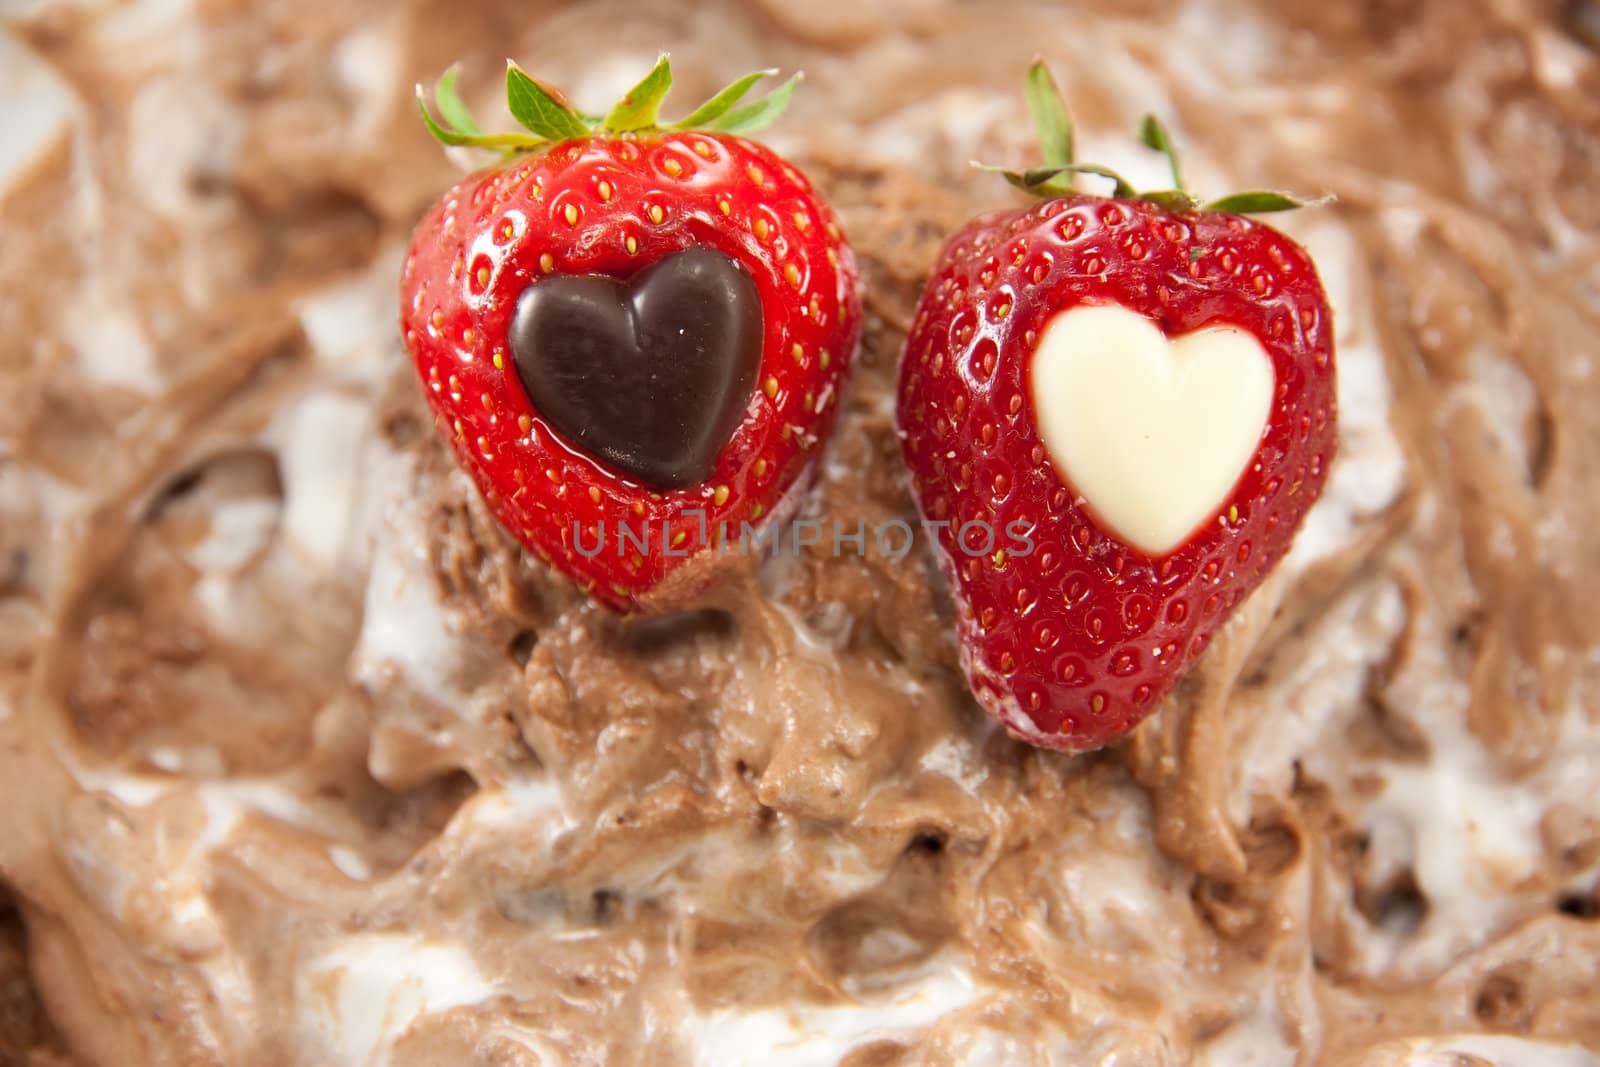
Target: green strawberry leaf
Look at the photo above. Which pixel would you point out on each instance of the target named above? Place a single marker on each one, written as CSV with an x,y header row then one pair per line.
x,y
538,111
1122,187
718,105
440,133
1051,179
1050,117
763,112
546,115
1155,135
1260,202
1177,200
455,138
639,108
451,108
1034,180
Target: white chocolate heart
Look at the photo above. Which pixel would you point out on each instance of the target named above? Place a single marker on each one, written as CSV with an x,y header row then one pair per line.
x,y
1152,432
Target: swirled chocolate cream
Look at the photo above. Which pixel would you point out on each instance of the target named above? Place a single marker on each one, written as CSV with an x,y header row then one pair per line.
x,y
305,760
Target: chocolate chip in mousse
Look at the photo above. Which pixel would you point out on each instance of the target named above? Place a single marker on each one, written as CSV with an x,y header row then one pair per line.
x,y
651,374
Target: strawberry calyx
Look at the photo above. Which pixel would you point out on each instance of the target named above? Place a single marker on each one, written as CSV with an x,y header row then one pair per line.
x,y
546,117
1060,170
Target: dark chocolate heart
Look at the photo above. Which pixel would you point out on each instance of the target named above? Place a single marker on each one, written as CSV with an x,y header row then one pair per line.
x,y
651,374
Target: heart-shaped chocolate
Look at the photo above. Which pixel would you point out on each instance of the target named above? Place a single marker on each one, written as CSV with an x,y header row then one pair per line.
x,y
652,374
1153,431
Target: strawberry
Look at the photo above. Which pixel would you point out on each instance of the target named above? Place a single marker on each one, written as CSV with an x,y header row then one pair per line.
x,y
632,334
1120,409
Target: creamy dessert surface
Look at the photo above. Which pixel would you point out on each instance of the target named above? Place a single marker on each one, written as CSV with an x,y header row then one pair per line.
x,y
302,762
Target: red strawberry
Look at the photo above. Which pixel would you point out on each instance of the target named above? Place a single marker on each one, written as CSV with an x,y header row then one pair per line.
x,y
631,333
1135,397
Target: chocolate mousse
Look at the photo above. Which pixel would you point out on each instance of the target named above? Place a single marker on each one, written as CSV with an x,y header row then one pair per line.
x,y
304,761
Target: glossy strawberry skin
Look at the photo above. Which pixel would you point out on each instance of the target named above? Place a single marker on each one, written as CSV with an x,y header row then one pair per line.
x,y
1072,644
613,206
